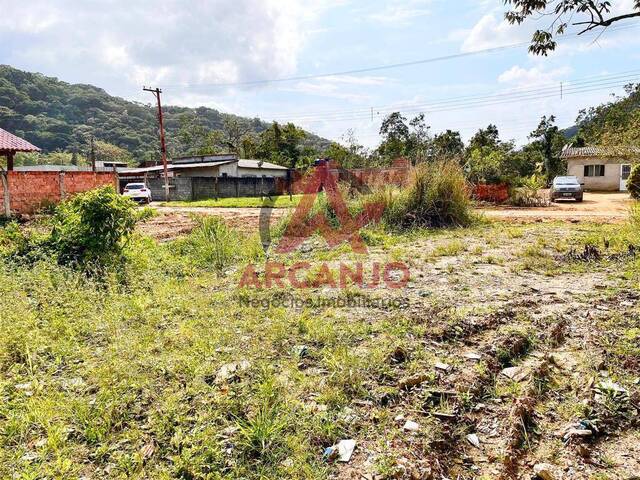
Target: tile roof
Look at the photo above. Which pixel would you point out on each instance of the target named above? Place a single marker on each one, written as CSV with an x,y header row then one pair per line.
x,y
11,143
572,152
171,166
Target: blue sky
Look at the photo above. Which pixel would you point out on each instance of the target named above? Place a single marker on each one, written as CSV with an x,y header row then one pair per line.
x,y
186,46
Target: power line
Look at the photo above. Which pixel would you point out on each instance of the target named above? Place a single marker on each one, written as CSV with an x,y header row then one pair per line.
x,y
627,76
379,67
457,104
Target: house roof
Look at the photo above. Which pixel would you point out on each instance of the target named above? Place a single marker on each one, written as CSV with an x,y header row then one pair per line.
x,y
170,166
600,151
204,158
60,168
244,163
9,143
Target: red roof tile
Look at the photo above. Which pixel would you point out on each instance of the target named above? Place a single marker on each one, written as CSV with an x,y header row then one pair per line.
x,y
11,143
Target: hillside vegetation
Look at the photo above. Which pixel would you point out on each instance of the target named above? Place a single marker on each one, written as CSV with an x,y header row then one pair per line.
x,y
58,116
613,123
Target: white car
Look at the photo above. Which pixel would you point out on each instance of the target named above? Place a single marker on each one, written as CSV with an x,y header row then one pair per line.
x,y
138,192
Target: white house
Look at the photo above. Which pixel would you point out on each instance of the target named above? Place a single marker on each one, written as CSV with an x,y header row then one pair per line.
x,y
601,168
228,165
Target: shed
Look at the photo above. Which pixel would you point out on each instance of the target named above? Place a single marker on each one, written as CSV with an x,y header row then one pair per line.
x,y
10,145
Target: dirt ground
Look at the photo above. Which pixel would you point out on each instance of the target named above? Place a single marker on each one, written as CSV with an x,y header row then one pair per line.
x,y
173,222
601,206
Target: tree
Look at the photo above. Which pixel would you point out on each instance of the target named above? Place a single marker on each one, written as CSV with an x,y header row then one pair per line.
x,y
281,144
419,139
587,15
549,141
485,137
402,139
395,134
447,144
349,153
235,130
486,164
616,123
107,152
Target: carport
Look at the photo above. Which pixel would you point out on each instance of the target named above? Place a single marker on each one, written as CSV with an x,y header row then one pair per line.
x,y
9,146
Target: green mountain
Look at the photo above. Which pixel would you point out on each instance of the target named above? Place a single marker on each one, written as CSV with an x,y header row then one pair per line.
x,y
615,123
58,116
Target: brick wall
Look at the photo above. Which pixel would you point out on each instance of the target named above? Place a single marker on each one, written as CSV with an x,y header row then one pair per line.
x,y
30,191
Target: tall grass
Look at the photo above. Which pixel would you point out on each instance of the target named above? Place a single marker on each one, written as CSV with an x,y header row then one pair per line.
x,y
437,195
214,245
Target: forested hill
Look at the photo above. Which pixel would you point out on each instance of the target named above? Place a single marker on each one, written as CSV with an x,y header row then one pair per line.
x,y
616,123
58,116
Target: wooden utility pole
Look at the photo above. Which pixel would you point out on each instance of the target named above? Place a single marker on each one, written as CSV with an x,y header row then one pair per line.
x,y
163,148
92,154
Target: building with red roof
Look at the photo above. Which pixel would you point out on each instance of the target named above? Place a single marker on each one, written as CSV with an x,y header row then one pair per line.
x,y
10,145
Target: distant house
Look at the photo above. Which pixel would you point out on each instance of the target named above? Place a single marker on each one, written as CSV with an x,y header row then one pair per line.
x,y
228,165
601,168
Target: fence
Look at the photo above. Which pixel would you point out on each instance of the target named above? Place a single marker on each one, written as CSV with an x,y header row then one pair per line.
x,y
27,192
200,188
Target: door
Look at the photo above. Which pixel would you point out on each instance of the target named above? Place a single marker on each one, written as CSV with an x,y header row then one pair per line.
x,y
625,171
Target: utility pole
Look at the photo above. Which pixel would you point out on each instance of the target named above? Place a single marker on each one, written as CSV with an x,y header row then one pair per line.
x,y
163,148
92,154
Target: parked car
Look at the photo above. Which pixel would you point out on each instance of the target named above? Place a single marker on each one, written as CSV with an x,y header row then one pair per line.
x,y
138,192
565,188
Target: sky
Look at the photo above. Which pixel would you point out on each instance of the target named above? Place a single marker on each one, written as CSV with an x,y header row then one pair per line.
x,y
211,53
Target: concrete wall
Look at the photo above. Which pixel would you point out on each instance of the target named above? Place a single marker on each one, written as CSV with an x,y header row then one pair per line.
x,y
30,191
244,172
201,188
611,179
180,188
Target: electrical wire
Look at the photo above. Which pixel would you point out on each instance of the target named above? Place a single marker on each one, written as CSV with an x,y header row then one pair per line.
x,y
384,67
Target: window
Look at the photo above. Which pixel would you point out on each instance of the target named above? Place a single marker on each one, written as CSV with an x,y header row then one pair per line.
x,y
594,170
626,171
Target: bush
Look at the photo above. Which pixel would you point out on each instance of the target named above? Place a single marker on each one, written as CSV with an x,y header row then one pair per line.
x,y
633,182
91,229
437,196
527,194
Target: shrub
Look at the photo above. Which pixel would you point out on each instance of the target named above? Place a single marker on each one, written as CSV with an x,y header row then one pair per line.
x,y
437,195
633,182
527,194
91,229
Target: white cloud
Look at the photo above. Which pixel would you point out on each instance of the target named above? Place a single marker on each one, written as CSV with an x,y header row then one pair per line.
x,y
490,32
174,41
401,13
342,87
522,78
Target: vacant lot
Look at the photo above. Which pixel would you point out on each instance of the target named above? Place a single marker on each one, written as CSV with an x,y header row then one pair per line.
x,y
513,346
175,217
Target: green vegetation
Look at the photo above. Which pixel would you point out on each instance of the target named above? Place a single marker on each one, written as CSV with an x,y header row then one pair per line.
x,y
213,245
172,375
277,201
614,124
61,118
88,232
633,182
436,196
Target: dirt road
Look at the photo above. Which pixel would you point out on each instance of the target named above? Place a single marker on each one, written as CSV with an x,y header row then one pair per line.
x,y
602,207
599,207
